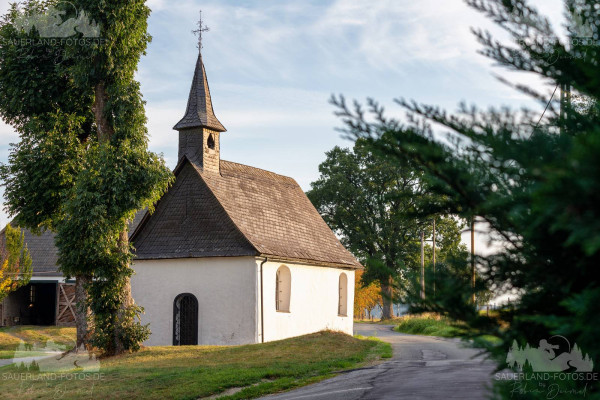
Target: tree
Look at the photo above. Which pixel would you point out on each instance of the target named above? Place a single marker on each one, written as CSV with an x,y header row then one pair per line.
x,y
536,183
82,167
449,250
366,297
373,205
15,262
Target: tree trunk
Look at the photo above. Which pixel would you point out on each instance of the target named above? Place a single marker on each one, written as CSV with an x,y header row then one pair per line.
x,y
105,133
103,126
81,313
387,295
127,299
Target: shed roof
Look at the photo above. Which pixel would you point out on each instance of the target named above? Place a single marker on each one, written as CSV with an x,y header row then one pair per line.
x,y
43,252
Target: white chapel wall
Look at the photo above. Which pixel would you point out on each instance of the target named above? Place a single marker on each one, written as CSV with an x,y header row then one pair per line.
x,y
224,286
314,301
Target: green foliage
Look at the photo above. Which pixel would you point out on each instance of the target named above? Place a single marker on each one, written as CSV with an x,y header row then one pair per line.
x,y
376,207
15,261
365,200
536,185
428,325
48,157
449,251
34,78
82,167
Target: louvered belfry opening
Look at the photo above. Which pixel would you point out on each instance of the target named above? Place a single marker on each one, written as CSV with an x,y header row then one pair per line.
x,y
185,320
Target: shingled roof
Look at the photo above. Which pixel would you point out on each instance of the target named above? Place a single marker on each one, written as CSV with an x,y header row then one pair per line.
x,y
43,252
199,112
241,211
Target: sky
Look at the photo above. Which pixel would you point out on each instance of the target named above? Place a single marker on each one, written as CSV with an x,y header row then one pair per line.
x,y
273,65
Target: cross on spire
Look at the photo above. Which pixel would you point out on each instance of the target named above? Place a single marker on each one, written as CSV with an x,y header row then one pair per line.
x,y
201,28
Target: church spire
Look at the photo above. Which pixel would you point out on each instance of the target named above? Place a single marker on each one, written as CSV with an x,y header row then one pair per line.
x,y
199,112
199,129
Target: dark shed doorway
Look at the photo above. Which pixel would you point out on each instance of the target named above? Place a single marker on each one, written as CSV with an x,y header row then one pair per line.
x,y
33,304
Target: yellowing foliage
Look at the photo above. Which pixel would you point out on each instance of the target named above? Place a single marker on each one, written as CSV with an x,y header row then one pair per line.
x,y
15,262
365,298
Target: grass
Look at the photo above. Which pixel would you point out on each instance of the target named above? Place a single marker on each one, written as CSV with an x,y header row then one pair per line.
x,y
382,349
428,324
392,321
39,336
191,372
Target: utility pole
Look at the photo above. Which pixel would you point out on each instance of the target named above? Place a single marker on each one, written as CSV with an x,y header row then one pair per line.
x,y
423,264
433,257
565,104
473,258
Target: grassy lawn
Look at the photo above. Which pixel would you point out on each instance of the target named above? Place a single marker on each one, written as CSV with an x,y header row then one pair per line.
x,y
428,324
11,337
191,372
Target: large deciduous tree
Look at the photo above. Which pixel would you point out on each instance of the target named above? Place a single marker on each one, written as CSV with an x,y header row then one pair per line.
x,y
82,167
535,181
375,207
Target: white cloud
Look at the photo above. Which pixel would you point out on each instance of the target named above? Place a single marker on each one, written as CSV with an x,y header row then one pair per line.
x,y
390,33
7,134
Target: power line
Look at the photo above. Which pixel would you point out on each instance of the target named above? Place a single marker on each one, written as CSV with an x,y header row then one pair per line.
x,y
547,105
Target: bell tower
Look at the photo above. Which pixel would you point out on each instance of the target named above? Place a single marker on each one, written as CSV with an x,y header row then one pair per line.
x,y
199,129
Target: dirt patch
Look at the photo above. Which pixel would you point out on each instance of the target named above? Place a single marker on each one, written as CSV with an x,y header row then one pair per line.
x,y
233,390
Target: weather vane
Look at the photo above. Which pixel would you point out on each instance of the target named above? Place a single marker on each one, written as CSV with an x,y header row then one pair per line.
x,y
201,28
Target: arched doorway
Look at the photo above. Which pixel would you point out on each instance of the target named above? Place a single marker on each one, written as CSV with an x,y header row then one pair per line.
x,y
185,320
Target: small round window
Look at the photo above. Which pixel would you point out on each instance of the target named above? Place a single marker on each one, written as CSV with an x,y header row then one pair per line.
x,y
211,142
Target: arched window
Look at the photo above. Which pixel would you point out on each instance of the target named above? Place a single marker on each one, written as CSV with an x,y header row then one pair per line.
x,y
283,286
185,320
343,299
210,142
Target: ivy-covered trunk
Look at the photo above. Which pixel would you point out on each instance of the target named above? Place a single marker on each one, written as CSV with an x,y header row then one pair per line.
x,y
82,281
126,301
122,320
82,312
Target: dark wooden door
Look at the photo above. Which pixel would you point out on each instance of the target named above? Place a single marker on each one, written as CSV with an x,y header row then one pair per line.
x,y
185,320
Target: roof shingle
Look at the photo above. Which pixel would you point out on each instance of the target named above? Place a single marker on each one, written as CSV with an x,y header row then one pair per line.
x,y
274,214
43,252
189,222
241,211
199,111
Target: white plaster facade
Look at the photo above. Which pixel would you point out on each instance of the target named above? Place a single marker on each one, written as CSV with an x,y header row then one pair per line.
x,y
224,286
228,290
314,301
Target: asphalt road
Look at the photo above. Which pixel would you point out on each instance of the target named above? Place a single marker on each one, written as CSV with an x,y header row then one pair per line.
x,y
422,367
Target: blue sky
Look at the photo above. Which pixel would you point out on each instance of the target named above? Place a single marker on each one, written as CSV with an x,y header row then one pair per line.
x,y
272,66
